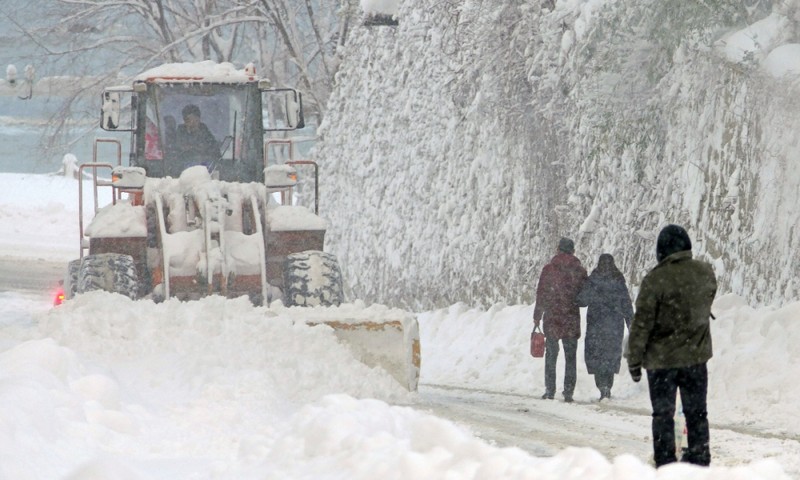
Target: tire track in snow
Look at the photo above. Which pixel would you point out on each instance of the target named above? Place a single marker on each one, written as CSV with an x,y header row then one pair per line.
x,y
540,427
545,427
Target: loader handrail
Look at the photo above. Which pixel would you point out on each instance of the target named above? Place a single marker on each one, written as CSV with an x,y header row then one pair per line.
x,y
107,140
94,166
277,141
316,180
290,142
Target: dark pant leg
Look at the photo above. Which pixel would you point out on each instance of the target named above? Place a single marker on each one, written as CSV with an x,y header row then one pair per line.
x,y
604,382
570,371
693,383
663,388
598,381
550,359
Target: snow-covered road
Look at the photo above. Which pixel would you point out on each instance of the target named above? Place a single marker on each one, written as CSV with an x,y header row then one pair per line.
x,y
29,274
546,427
540,427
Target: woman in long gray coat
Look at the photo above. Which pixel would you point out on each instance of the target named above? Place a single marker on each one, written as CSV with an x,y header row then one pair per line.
x,y
610,310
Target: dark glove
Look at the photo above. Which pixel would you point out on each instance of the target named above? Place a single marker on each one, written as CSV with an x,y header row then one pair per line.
x,y
636,373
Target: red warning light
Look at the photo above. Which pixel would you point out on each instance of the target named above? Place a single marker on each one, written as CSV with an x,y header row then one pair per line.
x,y
59,298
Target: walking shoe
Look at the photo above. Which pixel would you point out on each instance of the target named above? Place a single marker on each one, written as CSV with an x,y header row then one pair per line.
x,y
547,396
567,398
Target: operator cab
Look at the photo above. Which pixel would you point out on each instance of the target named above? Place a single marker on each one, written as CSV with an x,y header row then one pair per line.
x,y
190,124
217,119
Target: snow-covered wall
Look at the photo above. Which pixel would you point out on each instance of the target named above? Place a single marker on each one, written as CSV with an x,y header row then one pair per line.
x,y
460,145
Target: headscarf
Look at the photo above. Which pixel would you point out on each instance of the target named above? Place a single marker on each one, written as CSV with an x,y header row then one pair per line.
x,y
607,268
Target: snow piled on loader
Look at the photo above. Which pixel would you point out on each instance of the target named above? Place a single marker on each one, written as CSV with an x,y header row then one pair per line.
x,y
118,220
198,182
208,71
293,218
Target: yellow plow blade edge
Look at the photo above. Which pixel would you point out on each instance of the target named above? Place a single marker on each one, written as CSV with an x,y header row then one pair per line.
x,y
392,345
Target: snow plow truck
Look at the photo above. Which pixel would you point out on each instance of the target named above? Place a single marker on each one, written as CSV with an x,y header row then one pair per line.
x,y
203,208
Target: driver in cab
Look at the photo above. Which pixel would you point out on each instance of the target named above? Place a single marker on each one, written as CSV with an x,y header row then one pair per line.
x,y
194,141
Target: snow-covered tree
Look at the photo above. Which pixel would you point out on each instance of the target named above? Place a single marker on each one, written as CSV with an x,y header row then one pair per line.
x,y
295,43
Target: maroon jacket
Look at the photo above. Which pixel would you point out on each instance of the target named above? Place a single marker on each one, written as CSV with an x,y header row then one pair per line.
x,y
559,284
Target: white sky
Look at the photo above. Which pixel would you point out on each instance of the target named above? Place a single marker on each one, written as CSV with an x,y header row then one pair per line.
x,y
217,389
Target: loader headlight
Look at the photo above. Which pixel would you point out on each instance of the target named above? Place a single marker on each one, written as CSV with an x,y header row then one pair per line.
x,y
128,177
280,176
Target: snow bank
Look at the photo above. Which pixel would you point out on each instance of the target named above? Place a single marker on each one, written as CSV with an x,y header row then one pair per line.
x,y
217,388
491,351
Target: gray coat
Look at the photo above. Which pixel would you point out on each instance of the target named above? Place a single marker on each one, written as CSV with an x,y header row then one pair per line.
x,y
609,311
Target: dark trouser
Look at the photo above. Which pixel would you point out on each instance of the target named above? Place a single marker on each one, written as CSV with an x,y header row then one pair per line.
x,y
604,382
550,358
693,384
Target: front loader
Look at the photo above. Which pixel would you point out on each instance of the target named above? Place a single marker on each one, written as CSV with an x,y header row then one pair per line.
x,y
201,208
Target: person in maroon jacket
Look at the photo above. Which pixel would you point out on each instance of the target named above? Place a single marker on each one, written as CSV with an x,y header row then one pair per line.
x,y
556,305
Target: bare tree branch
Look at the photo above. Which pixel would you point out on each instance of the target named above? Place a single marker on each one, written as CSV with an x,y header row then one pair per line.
x,y
295,42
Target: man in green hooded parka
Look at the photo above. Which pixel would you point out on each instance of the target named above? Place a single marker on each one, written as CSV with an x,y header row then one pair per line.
x,y
670,337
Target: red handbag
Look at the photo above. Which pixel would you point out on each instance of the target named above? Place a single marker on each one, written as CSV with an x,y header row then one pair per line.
x,y
537,343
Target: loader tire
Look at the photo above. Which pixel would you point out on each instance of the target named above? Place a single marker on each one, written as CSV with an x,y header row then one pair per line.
x,y
312,278
71,278
112,272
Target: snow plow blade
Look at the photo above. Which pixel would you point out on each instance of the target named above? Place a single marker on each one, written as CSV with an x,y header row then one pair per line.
x,y
391,344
